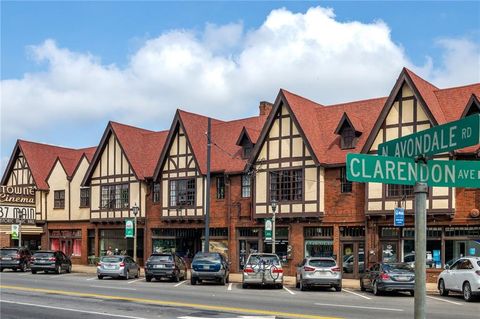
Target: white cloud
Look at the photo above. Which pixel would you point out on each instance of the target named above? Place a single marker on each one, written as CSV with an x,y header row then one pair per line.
x,y
223,71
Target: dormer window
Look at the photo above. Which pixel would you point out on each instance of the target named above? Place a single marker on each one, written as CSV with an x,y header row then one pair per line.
x,y
348,138
247,151
348,132
246,143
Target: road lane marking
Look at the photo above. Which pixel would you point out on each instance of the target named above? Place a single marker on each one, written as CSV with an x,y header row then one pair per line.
x,y
70,309
445,300
91,278
111,287
180,283
134,280
291,292
169,303
229,286
354,293
56,276
360,307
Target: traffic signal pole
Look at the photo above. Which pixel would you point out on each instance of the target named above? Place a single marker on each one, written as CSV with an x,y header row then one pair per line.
x,y
420,191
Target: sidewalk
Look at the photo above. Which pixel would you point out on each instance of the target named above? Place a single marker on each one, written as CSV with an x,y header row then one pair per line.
x,y
237,278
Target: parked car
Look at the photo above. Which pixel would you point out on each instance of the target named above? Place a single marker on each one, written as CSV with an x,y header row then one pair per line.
x,y
410,259
318,271
117,267
50,261
15,259
388,277
210,266
263,269
463,276
166,265
349,261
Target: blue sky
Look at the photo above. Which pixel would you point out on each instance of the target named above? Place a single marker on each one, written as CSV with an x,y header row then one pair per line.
x,y
48,48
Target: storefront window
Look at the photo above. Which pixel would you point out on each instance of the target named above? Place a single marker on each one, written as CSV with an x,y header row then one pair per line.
x,y
67,241
389,252
318,248
455,249
163,245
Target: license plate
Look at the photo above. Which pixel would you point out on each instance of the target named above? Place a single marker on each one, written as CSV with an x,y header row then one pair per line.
x,y
159,266
6,258
109,267
42,261
206,267
403,278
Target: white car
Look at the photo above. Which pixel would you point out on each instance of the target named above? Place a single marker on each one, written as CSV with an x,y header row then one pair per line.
x,y
463,276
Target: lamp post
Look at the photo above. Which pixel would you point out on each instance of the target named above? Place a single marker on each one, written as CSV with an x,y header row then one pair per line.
x,y
135,213
274,209
20,219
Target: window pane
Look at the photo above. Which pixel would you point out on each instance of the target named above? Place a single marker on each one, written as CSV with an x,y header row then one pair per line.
x,y
286,185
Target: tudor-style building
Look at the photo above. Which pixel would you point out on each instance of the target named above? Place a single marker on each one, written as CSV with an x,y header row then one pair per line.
x,y
118,181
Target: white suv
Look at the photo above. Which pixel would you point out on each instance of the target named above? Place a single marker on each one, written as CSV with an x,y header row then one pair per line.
x,y
463,276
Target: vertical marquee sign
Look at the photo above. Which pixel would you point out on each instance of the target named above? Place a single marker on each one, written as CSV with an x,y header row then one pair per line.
x,y
17,203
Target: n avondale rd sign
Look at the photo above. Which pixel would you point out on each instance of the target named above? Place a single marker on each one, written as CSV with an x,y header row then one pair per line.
x,y
405,171
438,139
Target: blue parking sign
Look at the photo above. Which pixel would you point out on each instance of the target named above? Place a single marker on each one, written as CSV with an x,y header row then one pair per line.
x,y
399,216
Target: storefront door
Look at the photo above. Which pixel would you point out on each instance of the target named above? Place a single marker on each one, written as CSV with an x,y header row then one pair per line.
x,y
353,259
246,247
66,246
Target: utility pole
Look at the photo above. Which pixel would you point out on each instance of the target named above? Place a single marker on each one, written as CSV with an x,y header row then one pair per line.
x,y
20,217
206,246
420,191
274,209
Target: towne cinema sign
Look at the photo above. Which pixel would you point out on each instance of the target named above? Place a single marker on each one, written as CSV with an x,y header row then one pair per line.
x,y
17,203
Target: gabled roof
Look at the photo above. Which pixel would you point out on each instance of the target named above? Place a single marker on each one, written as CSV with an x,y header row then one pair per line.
x,y
249,133
41,158
225,152
352,120
141,147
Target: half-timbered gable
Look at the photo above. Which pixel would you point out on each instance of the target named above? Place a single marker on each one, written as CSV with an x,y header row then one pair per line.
x,y
21,174
58,198
285,169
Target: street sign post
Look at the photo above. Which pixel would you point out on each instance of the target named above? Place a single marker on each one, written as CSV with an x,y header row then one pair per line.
x,y
454,173
399,217
15,231
438,139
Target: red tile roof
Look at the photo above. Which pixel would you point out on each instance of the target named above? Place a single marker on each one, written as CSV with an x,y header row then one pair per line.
x,y
142,147
41,158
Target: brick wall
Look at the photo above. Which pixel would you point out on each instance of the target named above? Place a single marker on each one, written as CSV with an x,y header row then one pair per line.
x,y
5,240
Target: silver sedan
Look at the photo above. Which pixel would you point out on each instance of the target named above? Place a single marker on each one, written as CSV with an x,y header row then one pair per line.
x,y
117,267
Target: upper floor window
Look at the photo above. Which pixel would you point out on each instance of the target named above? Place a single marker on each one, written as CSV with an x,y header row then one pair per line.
x,y
394,190
84,197
115,196
59,199
286,185
220,187
246,182
182,192
247,151
345,184
348,137
156,192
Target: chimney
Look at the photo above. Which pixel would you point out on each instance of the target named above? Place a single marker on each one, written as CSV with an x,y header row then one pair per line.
x,y
265,108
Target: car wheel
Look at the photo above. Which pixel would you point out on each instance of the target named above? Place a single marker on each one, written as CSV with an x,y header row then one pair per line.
x,y
148,279
412,293
441,288
280,286
193,281
338,288
302,286
100,277
222,281
127,275
297,283
58,270
376,291
138,273
14,269
362,287
244,286
467,292
33,271
69,269
176,278
227,279
24,267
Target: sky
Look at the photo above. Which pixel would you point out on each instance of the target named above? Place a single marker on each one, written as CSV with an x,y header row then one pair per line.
x,y
67,68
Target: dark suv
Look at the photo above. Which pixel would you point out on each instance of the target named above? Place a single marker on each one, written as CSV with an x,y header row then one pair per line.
x,y
210,266
167,265
14,258
50,260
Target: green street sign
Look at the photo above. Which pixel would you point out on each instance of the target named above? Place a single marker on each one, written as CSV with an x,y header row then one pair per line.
x,y
15,229
439,139
383,169
268,229
129,228
454,173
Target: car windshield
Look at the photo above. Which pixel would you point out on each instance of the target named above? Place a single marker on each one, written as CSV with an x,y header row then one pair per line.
x,y
43,255
8,252
397,267
207,258
263,259
322,263
111,259
161,258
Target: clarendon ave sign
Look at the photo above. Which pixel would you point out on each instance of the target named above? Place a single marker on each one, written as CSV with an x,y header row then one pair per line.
x,y
405,171
438,139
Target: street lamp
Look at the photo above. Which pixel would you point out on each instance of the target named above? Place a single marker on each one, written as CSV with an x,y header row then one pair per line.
x,y
274,209
135,213
20,217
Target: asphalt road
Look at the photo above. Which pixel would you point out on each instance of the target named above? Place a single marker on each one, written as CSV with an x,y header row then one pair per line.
x,y
24,295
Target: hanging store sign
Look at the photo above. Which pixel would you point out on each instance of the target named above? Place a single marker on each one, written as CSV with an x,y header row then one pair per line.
x,y
268,229
399,217
129,228
15,231
438,139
